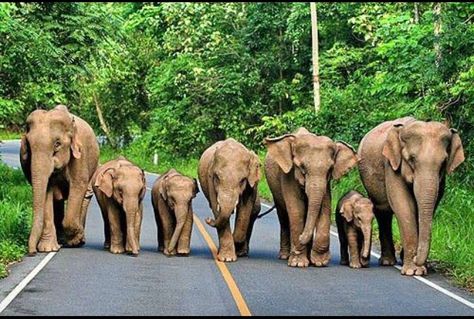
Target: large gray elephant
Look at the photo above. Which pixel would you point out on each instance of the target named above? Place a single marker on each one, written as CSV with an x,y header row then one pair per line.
x,y
299,168
403,167
58,155
229,175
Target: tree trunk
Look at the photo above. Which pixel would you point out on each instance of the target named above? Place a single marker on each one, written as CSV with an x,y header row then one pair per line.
x,y
437,32
314,29
103,124
416,11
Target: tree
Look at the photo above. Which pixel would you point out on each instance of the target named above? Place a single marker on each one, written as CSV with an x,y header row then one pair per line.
x,y
314,28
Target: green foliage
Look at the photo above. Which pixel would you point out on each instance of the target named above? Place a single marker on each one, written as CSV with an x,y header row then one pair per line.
x,y
15,216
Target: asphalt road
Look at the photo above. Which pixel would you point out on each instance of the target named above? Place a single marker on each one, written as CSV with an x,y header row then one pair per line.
x,y
91,281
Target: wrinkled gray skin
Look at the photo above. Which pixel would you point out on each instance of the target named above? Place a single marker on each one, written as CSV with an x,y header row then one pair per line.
x,y
229,175
120,187
58,155
403,168
298,168
172,195
354,216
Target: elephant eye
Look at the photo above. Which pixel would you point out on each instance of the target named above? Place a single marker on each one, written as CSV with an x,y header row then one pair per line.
x,y
57,146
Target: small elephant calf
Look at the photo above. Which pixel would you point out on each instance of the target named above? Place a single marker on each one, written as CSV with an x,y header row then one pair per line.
x,y
354,215
171,197
120,186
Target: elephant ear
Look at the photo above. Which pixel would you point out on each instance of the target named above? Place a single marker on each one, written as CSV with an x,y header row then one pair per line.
x,y
196,187
456,154
254,169
163,187
76,146
392,149
280,149
347,210
25,157
143,191
346,158
104,181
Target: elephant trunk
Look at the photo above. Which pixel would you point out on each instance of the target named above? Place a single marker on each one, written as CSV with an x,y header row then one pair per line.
x,y
40,173
181,213
367,232
226,207
315,193
131,213
426,193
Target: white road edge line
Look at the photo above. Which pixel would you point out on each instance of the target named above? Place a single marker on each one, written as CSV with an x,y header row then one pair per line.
x,y
16,291
419,278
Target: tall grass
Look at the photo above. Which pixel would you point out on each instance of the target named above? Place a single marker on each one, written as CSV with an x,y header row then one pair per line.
x,y
15,216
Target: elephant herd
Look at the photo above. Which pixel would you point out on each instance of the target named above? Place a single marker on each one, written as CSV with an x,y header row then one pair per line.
x,y
402,164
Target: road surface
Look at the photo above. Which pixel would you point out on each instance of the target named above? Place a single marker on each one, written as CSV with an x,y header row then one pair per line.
x,y
91,281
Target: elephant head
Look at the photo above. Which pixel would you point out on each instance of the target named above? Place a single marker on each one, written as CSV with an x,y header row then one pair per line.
x,y
178,191
312,160
51,142
125,183
234,173
360,212
423,152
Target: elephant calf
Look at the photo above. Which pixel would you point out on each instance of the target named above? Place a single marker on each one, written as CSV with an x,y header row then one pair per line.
x,y
171,197
120,186
354,216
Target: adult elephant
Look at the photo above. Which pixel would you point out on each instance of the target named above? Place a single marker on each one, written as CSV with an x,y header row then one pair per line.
x,y
229,175
299,168
403,167
59,154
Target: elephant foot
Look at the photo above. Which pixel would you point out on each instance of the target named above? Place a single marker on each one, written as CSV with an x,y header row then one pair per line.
x,y
242,250
106,245
76,240
169,253
117,249
355,264
161,248
48,245
364,262
226,256
413,270
300,260
183,252
387,261
320,260
344,262
284,254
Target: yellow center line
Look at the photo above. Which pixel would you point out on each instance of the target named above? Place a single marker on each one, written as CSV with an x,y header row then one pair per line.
x,y
234,289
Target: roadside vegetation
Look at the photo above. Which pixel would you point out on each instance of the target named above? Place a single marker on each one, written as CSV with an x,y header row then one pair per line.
x,y
173,78
15,216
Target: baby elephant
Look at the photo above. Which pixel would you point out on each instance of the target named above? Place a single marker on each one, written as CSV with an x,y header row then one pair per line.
x,y
171,196
354,217
120,186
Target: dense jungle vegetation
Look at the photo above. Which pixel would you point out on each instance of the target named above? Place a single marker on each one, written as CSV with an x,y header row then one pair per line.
x,y
173,78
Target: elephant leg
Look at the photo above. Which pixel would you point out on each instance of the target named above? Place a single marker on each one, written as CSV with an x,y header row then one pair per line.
x,y
384,220
243,249
403,206
320,254
159,228
105,216
58,206
360,247
72,222
168,229
226,251
296,215
116,231
343,244
353,248
48,241
285,244
184,242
